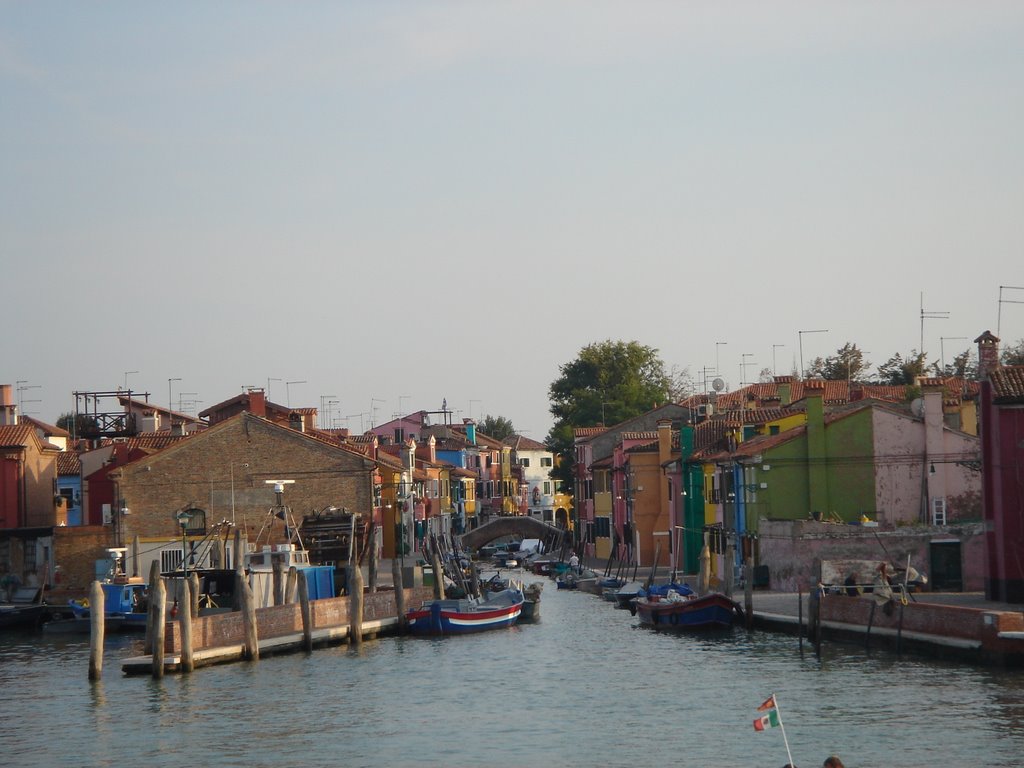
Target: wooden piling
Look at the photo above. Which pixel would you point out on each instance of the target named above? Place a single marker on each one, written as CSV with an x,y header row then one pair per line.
x,y
307,613
188,598
899,633
438,576
474,580
374,557
800,618
217,553
238,562
278,578
396,576
193,595
158,596
748,594
151,617
251,651
135,555
729,570
355,605
292,584
96,626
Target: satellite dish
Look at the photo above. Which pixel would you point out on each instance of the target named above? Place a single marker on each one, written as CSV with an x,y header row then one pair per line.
x,y
917,407
718,385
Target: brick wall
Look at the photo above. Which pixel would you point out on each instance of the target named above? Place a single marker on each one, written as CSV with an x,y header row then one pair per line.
x,y
234,459
75,551
930,618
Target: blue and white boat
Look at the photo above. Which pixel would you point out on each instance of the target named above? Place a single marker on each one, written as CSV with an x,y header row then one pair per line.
x,y
458,617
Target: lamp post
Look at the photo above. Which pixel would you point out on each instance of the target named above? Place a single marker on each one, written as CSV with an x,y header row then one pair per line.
x,y
800,335
183,517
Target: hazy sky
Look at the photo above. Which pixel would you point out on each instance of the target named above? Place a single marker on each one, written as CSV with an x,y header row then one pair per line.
x,y
396,203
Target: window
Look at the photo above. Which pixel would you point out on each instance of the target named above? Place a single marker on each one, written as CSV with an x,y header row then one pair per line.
x,y
29,557
602,527
490,460
170,560
525,462
773,429
546,461
547,487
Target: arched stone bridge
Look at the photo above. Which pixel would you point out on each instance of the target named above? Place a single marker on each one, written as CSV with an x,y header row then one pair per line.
x,y
522,526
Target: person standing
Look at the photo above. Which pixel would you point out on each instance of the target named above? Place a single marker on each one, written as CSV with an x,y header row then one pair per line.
x,y
574,563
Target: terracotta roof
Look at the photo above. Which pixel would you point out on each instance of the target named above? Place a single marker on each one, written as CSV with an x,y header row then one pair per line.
x,y
1008,384
638,436
17,434
643,447
48,430
601,463
521,443
580,432
68,463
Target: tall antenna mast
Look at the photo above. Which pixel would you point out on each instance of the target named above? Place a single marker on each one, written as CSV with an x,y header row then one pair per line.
x,y
929,316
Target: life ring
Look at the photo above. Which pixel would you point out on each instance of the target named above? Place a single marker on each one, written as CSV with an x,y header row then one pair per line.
x,y
673,619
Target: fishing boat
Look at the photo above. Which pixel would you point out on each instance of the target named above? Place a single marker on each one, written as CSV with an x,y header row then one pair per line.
x,y
25,609
466,615
685,612
125,608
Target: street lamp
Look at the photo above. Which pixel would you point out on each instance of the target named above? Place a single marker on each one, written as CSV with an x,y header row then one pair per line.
x,y
183,518
800,335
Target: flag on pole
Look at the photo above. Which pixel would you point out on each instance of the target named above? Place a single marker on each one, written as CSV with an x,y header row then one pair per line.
x,y
770,720
769,703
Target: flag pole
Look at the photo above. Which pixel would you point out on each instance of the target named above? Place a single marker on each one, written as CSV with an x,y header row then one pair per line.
x,y
783,727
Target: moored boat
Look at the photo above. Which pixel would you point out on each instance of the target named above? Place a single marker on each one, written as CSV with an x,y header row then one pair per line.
x,y
531,603
456,617
26,609
713,610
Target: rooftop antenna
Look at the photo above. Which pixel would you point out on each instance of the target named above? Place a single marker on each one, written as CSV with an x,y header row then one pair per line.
x,y
999,319
929,316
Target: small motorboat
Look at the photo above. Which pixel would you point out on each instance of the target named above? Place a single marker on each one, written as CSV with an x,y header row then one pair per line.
x,y
462,616
684,612
26,609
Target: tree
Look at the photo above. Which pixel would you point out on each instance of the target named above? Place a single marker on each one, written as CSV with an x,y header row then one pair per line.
x,y
897,370
497,427
76,425
847,364
964,365
1013,355
681,384
606,383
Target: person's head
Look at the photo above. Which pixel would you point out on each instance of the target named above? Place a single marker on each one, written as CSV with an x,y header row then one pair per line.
x,y
832,762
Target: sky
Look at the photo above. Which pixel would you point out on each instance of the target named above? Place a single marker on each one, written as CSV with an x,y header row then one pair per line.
x,y
377,207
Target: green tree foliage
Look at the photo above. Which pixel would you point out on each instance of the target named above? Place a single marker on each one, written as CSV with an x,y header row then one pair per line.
x,y
681,384
1013,354
77,426
897,370
964,365
608,382
497,427
847,363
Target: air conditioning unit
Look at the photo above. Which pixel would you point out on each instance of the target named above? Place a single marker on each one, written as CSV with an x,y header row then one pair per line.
x,y
706,409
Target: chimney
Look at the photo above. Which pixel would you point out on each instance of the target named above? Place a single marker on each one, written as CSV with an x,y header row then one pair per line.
x,y
785,385
470,430
8,408
258,402
432,448
988,354
150,421
295,421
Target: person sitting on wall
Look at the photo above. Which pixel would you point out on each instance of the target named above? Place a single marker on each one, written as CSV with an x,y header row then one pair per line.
x,y
882,589
853,589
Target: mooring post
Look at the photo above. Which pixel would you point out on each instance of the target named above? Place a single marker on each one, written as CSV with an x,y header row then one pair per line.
x,y
292,584
135,555
185,625
817,622
800,618
151,616
96,627
193,594
396,576
251,651
438,576
238,562
158,595
278,576
307,613
748,594
355,605
374,557
899,633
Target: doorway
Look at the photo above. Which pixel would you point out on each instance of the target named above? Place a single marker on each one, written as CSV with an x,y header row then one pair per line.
x,y
947,573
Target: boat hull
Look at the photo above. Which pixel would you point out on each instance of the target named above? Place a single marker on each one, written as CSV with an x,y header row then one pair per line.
x,y
712,611
461,617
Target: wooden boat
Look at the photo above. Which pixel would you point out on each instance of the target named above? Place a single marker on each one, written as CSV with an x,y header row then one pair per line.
x,y
684,612
125,608
26,609
458,617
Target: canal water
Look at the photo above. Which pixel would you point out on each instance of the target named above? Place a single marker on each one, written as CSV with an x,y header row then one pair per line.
x,y
585,687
